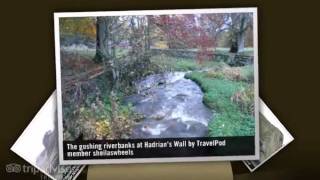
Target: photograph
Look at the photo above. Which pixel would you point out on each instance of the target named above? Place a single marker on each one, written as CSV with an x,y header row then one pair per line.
x,y
132,75
38,144
273,137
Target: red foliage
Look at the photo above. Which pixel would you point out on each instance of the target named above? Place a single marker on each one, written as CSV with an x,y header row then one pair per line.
x,y
186,31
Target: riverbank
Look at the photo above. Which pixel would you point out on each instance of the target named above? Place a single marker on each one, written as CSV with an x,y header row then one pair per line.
x,y
232,101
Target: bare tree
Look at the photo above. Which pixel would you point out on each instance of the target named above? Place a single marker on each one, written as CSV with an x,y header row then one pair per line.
x,y
239,23
215,24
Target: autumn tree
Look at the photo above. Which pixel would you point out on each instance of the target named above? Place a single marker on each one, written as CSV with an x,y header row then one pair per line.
x,y
105,49
179,30
107,30
75,30
214,24
140,35
187,32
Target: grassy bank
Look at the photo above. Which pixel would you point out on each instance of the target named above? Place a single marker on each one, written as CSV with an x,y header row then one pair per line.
x,y
230,99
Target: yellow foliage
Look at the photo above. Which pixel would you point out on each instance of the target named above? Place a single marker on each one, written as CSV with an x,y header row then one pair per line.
x,y
161,45
232,73
103,129
244,98
85,26
214,74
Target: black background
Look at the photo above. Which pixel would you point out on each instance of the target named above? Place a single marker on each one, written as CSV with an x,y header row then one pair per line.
x,y
288,64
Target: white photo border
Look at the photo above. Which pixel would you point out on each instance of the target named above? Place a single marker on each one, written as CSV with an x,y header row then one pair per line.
x,y
288,138
58,15
46,114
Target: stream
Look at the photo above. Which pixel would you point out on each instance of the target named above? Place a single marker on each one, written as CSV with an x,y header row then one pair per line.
x,y
172,107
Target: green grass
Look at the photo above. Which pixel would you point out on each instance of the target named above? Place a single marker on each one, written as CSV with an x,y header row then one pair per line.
x,y
229,120
184,65
247,73
248,51
168,63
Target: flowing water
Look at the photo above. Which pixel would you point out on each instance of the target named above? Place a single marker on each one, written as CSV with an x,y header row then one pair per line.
x,y
172,107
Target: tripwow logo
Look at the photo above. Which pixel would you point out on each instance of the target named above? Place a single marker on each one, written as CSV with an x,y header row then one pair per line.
x,y
13,168
17,168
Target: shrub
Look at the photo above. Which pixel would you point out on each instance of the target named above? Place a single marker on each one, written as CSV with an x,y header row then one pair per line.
x,y
123,122
103,130
244,98
99,121
214,74
247,73
244,73
232,73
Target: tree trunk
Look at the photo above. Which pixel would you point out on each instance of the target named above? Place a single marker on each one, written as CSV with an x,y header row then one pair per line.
x,y
238,29
241,33
234,46
102,39
147,35
237,44
240,41
105,47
